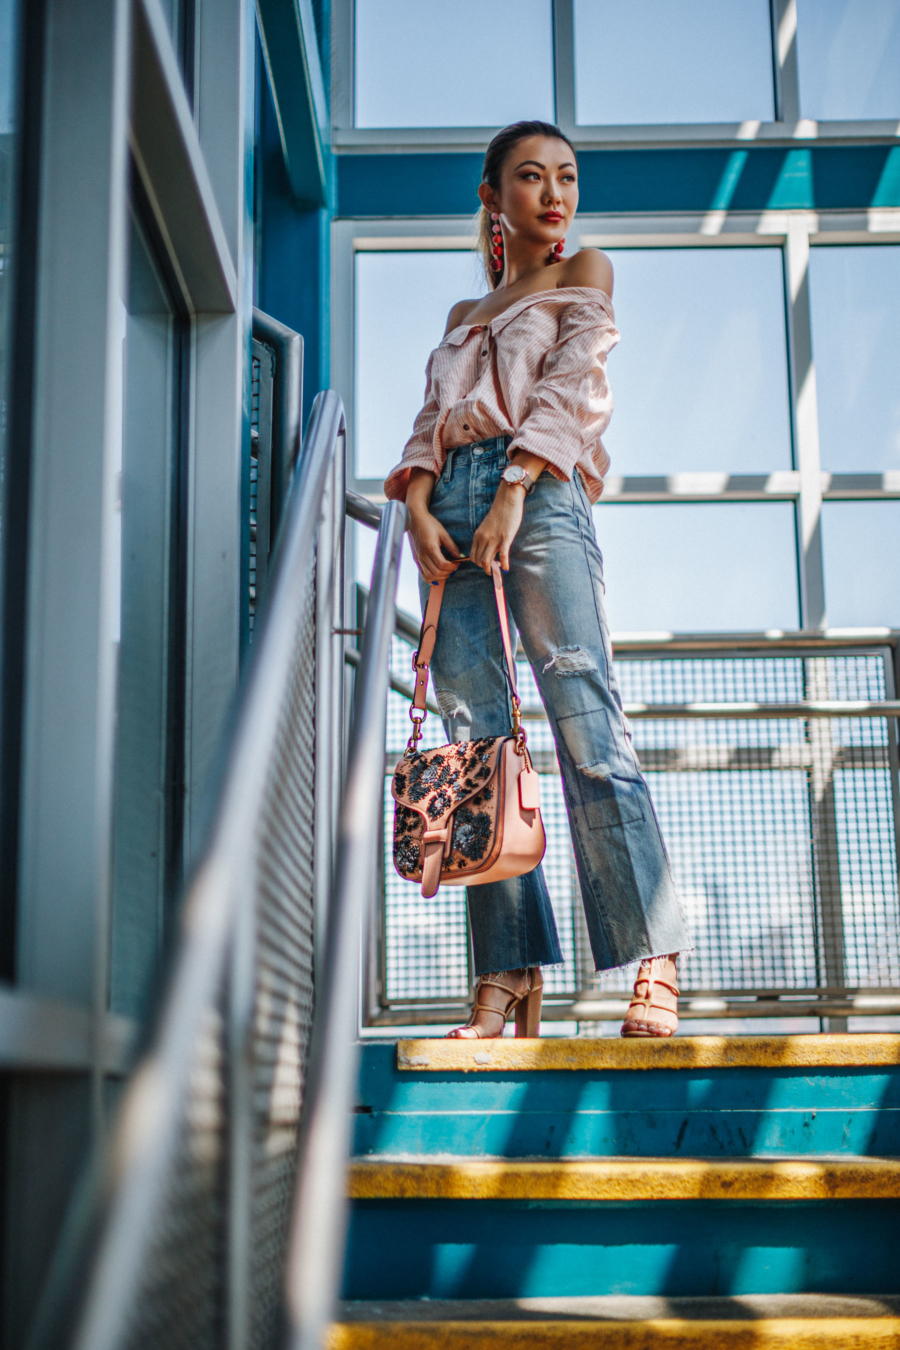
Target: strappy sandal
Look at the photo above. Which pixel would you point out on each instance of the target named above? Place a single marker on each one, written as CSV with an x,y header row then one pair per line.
x,y
649,976
526,1004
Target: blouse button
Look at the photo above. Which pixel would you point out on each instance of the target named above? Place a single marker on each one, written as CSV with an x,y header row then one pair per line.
x,y
465,426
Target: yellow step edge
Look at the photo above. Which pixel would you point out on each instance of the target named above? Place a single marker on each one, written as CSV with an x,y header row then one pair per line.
x,y
789,1333
627,1179
863,1050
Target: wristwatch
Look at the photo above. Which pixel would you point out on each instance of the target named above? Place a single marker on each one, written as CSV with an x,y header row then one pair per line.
x,y
514,473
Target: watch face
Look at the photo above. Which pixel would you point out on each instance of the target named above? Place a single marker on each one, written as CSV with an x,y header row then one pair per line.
x,y
514,474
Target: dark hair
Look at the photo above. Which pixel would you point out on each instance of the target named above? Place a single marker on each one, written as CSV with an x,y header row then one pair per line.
x,y
494,159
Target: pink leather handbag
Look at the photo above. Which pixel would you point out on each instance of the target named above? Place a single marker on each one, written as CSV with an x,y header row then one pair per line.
x,y
466,813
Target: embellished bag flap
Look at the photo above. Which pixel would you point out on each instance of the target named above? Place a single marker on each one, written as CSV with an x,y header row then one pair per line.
x,y
435,782
447,810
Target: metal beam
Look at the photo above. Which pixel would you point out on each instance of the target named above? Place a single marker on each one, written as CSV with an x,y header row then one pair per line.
x,y
173,171
288,37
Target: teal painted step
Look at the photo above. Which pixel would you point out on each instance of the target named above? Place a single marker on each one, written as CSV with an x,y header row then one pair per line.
x,y
514,1249
734,1112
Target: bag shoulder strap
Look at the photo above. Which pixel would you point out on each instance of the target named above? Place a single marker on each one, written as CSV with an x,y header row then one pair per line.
x,y
428,638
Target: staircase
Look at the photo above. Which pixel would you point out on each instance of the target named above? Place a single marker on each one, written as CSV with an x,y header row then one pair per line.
x,y
702,1192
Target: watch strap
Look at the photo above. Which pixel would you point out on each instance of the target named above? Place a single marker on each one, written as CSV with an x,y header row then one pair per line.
x,y
526,479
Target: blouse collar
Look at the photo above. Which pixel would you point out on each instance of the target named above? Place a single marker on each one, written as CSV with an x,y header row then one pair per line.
x,y
559,294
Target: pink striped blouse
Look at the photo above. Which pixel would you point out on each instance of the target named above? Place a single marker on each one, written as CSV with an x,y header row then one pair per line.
x,y
537,372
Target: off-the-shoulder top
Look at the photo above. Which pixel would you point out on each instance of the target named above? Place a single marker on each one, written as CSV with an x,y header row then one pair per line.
x,y
537,372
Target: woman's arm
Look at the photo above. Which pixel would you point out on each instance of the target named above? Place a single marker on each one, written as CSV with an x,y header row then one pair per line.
x,y
568,407
430,541
495,535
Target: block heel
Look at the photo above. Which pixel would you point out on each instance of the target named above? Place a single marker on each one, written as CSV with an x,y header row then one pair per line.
x,y
528,1011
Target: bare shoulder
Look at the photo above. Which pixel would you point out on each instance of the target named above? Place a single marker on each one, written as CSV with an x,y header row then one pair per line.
x,y
589,267
458,313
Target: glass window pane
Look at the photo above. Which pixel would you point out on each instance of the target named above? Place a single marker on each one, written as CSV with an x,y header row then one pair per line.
x,y
849,57
862,564
644,61
402,303
699,568
700,376
854,295
427,63
149,731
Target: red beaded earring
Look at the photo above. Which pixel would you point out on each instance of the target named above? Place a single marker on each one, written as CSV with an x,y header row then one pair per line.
x,y
496,244
556,251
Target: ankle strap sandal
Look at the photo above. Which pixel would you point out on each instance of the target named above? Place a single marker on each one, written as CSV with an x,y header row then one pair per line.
x,y
525,1003
645,1002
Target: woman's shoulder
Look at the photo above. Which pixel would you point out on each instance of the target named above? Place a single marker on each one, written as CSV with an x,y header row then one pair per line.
x,y
588,267
458,314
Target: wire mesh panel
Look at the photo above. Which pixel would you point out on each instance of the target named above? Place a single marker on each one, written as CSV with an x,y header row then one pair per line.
x,y
425,952
244,1110
781,831
184,1275
284,982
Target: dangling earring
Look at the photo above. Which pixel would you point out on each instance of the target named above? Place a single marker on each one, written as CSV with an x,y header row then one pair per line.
x,y
496,244
556,251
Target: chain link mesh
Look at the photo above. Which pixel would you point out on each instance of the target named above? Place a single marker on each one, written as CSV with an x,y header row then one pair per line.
x,y
781,831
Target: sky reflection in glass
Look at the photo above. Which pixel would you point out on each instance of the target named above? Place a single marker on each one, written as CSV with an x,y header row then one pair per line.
x,y
862,564
849,57
650,61
855,297
728,567
700,376
402,303
427,63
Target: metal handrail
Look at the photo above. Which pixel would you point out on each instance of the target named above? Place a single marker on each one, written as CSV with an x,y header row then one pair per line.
x,y
146,1137
317,1238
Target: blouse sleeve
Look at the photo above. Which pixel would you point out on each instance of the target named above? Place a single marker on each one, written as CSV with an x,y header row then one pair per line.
x,y
418,453
571,403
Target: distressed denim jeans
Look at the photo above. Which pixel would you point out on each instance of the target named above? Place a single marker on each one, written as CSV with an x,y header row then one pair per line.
x,y
554,592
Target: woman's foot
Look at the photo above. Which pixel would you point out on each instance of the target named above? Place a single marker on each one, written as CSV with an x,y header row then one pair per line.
x,y
654,1005
496,997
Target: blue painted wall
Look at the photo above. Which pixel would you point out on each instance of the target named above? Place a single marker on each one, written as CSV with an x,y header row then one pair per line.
x,y
292,252
753,179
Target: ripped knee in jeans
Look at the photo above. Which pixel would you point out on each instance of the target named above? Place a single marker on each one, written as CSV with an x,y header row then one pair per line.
x,y
570,661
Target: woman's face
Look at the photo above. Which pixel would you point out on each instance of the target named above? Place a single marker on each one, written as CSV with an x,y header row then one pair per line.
x,y
538,194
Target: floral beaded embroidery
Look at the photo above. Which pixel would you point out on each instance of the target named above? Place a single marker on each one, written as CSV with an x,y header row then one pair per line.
x,y
430,787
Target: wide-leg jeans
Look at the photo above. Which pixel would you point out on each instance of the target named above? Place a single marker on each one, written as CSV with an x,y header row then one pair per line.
x,y
554,592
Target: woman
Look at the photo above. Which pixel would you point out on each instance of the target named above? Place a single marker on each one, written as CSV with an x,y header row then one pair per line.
x,y
504,462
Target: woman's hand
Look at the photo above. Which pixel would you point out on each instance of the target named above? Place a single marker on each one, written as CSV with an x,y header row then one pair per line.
x,y
430,545
495,534
430,541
